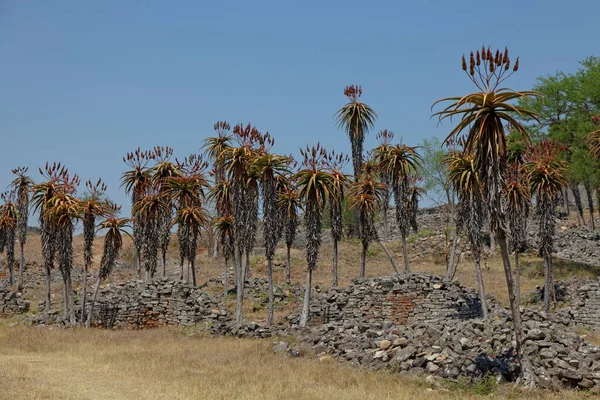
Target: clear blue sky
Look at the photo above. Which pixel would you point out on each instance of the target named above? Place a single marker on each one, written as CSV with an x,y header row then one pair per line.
x,y
83,82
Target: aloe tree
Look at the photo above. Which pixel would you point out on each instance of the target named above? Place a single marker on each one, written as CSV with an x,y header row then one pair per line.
x,y
214,148
399,162
314,185
289,203
356,119
340,182
22,184
268,167
8,225
517,210
238,160
42,193
470,210
366,196
135,181
192,218
113,243
482,115
63,209
546,175
147,212
385,138
162,170
92,206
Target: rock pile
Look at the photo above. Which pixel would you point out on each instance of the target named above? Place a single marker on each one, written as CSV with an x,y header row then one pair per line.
x,y
12,303
463,348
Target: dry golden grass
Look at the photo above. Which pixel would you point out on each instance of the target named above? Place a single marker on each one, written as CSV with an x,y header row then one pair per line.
x,y
170,364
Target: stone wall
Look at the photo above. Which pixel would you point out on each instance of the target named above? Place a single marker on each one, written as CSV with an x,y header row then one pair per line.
x,y
401,299
137,304
12,303
583,302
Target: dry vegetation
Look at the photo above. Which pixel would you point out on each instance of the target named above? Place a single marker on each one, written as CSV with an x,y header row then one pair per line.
x,y
174,364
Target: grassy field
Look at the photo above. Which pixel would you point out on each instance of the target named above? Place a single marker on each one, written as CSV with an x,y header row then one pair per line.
x,y
176,364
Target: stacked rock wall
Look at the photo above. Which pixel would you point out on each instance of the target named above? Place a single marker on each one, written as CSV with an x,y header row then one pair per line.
x,y
137,304
583,303
11,303
401,299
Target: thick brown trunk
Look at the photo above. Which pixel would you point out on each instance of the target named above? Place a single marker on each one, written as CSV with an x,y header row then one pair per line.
x,y
65,299
389,256
181,262
270,278
484,309
306,304
405,254
164,263
288,268
334,280
356,224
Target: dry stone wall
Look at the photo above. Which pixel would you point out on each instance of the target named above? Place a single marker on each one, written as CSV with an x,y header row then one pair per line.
x,y
137,304
12,303
401,299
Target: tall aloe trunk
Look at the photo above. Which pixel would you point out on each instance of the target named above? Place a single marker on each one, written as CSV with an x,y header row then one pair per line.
x,y
138,264
405,253
84,291
306,304
389,256
21,264
270,277
334,280
181,262
363,261
48,268
590,199
240,289
225,281
91,313
288,267
164,263
247,266
517,278
578,204
484,309
549,295
452,257
527,369
193,268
